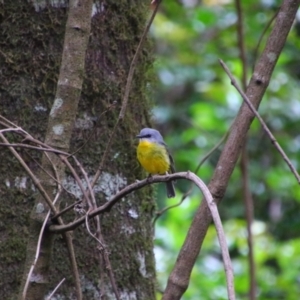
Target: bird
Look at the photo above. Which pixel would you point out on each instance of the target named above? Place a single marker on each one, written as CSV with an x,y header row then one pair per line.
x,y
154,156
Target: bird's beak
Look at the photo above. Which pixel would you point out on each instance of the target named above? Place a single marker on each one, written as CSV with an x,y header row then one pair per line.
x,y
139,136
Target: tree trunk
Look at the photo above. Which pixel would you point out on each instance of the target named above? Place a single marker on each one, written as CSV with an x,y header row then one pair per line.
x,y
31,46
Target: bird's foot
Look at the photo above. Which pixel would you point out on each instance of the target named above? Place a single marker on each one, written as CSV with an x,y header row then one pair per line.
x,y
149,178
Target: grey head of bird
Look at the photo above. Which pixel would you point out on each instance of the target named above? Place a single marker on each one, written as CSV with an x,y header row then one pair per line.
x,y
152,135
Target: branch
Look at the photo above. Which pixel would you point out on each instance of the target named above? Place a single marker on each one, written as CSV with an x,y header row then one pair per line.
x,y
60,127
232,147
98,236
38,247
56,288
20,145
255,53
183,175
241,43
188,192
264,125
31,175
126,94
249,205
248,199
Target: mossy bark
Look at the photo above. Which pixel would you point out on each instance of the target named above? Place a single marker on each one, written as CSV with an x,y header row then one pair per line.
x,y
31,46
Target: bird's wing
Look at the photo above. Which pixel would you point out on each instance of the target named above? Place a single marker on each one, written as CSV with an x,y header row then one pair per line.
x,y
172,163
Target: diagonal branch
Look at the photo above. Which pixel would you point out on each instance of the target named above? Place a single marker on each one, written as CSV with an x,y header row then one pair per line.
x,y
262,122
229,156
126,94
31,175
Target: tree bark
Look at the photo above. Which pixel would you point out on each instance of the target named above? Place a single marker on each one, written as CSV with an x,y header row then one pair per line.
x,y
58,135
30,59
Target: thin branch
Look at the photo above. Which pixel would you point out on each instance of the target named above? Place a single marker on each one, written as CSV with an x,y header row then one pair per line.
x,y
220,232
262,36
69,241
9,123
98,236
92,203
72,257
20,145
106,207
241,42
126,94
63,211
31,175
67,234
78,180
154,179
110,272
248,199
9,130
202,161
134,62
265,127
86,218
52,177
231,151
56,288
38,248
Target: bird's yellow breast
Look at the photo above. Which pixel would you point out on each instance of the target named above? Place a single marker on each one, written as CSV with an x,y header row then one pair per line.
x,y
153,157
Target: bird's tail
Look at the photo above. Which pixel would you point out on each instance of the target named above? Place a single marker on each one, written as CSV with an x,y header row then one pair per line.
x,y
170,189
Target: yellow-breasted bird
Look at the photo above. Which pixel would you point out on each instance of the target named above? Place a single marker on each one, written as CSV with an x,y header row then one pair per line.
x,y
153,155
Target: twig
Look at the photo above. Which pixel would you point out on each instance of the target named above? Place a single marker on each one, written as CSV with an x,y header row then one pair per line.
x,y
86,218
115,199
202,161
92,203
20,145
265,127
231,151
98,236
68,239
220,232
104,254
38,248
248,199
9,123
47,199
76,177
56,288
46,172
241,44
110,272
63,211
134,62
262,35
137,185
126,94
9,130
31,175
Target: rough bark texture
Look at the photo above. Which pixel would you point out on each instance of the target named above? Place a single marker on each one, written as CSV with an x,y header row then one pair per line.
x,y
58,135
31,45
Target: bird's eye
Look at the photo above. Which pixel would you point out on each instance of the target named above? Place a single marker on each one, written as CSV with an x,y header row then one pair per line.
x,y
148,135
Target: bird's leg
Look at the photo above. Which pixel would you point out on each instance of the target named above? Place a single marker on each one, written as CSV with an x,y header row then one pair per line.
x,y
149,178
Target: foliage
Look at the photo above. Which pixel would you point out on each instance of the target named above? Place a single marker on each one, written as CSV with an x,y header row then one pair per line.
x,y
195,105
